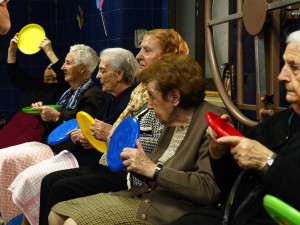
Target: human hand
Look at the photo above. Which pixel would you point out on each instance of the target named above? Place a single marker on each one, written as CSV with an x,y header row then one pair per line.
x,y
100,130
12,49
74,135
136,160
217,150
13,44
249,154
78,137
46,45
84,142
47,113
37,104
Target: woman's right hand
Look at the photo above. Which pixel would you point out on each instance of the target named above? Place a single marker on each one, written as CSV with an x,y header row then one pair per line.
x,y
47,113
136,160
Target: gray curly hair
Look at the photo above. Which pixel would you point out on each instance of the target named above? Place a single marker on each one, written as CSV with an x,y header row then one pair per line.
x,y
84,54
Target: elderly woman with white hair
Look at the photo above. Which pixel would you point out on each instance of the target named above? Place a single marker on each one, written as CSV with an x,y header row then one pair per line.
x,y
83,95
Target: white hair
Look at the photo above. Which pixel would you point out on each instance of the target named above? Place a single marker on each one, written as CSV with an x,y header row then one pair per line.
x,y
84,54
122,60
293,37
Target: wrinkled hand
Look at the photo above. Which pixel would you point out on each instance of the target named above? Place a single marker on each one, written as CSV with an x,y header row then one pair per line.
x,y
249,154
217,150
100,130
46,45
78,137
75,134
136,160
84,142
47,113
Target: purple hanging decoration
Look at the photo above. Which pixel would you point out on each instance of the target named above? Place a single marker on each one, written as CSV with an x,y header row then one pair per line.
x,y
99,4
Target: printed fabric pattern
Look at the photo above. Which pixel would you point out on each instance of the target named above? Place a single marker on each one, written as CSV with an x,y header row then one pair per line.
x,y
70,97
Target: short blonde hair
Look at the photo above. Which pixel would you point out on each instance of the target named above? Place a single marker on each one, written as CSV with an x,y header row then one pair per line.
x,y
169,40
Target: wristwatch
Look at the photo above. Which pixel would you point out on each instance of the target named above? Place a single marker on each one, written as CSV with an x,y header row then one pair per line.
x,y
269,162
157,171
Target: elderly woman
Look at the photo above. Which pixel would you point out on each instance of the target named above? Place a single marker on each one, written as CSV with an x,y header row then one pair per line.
x,y
117,71
83,95
177,176
79,182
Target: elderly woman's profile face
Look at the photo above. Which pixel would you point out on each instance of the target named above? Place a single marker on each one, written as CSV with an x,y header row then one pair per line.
x,y
71,70
107,77
290,73
163,107
150,51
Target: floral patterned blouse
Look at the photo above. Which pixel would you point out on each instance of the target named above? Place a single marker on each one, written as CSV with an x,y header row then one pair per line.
x,y
137,103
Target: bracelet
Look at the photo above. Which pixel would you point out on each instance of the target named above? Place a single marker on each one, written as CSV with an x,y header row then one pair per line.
x,y
157,171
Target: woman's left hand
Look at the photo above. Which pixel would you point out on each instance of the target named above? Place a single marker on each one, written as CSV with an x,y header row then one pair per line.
x,y
136,160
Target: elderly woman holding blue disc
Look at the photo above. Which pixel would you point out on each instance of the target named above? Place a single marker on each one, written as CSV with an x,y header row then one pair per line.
x,y
177,175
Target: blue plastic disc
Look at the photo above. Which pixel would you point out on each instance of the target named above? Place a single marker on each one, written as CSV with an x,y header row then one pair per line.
x,y
58,135
124,136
